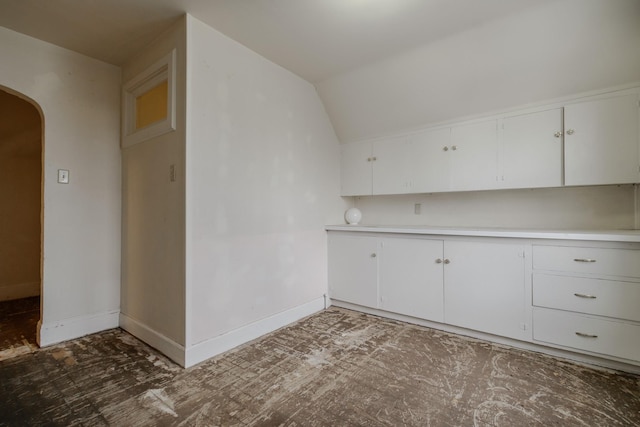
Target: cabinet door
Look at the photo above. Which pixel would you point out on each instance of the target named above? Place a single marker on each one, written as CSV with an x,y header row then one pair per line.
x,y
355,165
531,150
353,269
391,171
474,156
411,277
429,162
601,141
484,287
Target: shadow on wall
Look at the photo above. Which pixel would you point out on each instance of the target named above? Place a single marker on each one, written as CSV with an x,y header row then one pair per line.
x,y
21,197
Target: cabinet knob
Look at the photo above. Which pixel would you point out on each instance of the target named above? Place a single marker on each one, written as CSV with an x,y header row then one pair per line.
x,y
373,255
447,261
374,159
438,261
570,131
368,159
454,147
557,134
445,148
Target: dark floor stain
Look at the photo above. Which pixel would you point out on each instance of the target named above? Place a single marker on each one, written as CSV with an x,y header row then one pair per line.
x,y
18,322
336,368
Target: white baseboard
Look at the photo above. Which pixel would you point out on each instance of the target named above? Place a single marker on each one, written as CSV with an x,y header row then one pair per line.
x,y
19,290
214,346
63,330
160,342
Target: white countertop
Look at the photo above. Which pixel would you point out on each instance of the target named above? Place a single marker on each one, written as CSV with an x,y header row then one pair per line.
x,y
598,235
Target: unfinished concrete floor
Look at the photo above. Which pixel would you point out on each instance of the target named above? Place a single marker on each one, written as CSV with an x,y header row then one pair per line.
x,y
336,368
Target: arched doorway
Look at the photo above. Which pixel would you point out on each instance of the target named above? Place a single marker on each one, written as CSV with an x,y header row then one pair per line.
x,y
21,130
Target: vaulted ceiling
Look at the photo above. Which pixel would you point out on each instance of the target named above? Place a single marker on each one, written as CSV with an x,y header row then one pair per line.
x,y
315,39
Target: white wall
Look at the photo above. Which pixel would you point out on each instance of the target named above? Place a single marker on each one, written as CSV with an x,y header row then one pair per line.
x,y
79,99
606,207
262,181
558,49
153,232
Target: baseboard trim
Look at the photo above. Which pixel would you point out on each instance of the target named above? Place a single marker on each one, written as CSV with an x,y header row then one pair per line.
x,y
64,330
155,339
19,290
214,346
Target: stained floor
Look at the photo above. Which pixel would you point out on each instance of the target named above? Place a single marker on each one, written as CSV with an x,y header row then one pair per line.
x,y
335,368
18,321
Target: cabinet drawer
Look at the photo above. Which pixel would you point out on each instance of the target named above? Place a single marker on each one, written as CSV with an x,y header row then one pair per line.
x,y
586,295
613,262
606,337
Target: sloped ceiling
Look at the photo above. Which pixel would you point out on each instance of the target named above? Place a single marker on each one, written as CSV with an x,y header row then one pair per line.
x,y
380,66
314,39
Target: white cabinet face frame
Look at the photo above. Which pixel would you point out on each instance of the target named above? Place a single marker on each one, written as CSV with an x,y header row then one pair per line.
x,y
159,72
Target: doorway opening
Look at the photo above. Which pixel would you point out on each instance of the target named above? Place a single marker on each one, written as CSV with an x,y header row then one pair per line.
x,y
21,198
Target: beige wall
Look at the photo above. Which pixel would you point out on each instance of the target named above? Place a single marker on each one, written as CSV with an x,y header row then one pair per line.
x,y
20,183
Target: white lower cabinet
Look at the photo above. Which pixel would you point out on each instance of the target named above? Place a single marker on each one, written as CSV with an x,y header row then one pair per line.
x,y
353,269
476,285
600,335
577,296
587,297
485,287
411,277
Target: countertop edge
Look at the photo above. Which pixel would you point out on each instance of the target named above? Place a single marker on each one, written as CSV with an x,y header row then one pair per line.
x,y
594,235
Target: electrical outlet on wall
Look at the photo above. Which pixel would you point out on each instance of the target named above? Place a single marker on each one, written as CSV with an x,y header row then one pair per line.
x,y
417,208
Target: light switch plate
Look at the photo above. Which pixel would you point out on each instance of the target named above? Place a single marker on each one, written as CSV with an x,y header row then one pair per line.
x,y
63,176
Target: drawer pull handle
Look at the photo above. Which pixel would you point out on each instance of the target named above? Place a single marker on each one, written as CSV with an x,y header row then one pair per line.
x,y
585,296
584,260
582,334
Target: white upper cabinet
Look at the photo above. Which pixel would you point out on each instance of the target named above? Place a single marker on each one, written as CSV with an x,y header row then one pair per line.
x,y
429,162
355,166
474,156
601,141
530,153
592,142
391,160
